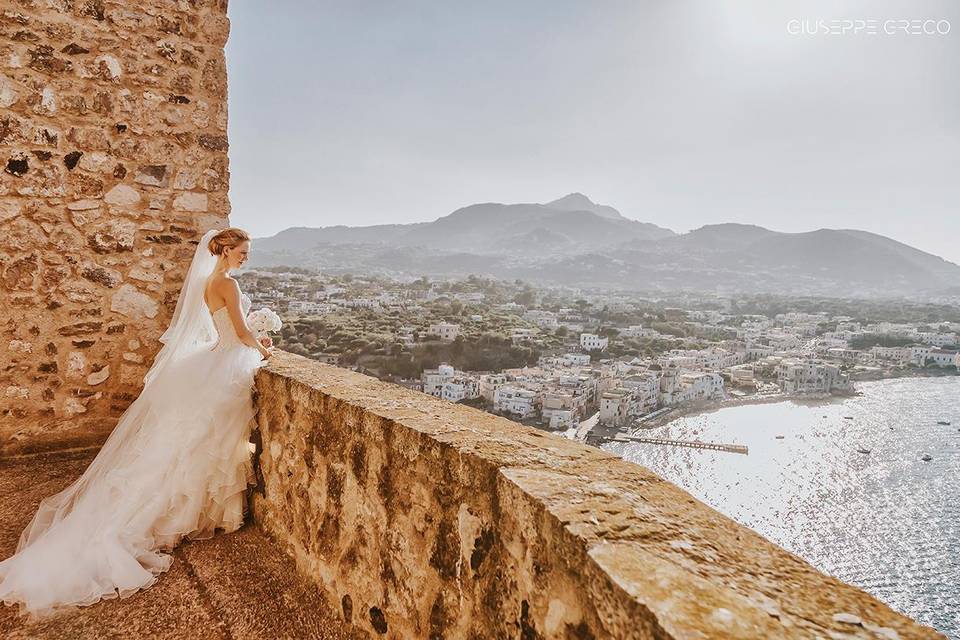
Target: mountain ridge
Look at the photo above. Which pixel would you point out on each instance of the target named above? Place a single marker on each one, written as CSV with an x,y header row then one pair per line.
x,y
573,240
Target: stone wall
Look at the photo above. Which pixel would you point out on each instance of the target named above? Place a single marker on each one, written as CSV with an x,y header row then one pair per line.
x,y
418,518
113,158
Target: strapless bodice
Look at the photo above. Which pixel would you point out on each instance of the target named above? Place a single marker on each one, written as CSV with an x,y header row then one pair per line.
x,y
227,335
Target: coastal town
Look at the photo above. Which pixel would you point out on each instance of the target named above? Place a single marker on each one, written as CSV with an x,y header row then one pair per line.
x,y
595,364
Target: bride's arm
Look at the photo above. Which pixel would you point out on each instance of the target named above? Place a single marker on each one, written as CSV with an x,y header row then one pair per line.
x,y
231,293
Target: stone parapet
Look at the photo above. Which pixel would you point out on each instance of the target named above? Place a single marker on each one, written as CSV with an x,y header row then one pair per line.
x,y
419,518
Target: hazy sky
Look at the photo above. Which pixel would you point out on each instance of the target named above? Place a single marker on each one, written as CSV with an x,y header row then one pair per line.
x,y
677,113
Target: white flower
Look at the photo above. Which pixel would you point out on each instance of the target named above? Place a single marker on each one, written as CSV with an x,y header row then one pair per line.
x,y
263,321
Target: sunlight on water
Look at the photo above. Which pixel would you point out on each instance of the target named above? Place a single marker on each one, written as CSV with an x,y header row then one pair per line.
x,y
887,521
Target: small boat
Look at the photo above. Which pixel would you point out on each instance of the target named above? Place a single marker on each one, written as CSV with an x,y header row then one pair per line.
x,y
848,417
945,423
779,437
926,457
863,450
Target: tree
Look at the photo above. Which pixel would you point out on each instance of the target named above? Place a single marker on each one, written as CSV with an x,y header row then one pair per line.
x,y
609,332
526,297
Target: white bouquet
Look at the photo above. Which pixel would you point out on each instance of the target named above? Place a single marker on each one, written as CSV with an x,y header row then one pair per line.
x,y
263,321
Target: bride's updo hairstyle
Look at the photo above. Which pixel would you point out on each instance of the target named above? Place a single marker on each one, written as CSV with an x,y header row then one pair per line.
x,y
227,239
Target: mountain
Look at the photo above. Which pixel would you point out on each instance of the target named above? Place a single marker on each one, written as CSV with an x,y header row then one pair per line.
x,y
721,237
574,223
839,262
936,265
580,202
574,241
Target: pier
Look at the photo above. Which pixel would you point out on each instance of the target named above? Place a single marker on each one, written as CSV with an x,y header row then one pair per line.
x,y
691,444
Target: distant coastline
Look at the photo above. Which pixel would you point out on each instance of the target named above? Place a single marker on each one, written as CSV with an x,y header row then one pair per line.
x,y
808,399
711,406
890,374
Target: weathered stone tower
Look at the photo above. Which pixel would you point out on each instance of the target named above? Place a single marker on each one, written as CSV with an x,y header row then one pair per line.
x,y
113,150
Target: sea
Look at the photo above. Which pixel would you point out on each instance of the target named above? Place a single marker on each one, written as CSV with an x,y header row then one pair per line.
x,y
887,521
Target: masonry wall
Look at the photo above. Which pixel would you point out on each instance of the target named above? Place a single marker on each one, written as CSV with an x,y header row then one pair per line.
x,y
418,518
113,162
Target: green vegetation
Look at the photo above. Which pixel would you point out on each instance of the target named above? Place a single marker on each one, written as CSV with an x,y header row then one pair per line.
x,y
864,343
487,353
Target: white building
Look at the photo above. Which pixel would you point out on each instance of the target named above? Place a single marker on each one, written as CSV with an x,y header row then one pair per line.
x,y
592,342
784,340
937,339
522,334
809,376
541,318
447,331
919,353
941,358
360,303
899,355
515,401
710,359
645,387
560,406
576,359
461,387
757,351
489,383
434,379
405,335
636,331
742,375
306,306
615,407
693,386
845,355
563,419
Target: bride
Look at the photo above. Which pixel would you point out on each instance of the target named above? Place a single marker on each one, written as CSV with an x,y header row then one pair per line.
x,y
176,465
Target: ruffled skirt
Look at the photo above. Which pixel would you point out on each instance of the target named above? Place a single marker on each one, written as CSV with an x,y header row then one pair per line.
x,y
176,466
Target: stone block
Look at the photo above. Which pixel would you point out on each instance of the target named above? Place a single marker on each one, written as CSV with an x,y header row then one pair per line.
x,y
131,302
190,201
122,194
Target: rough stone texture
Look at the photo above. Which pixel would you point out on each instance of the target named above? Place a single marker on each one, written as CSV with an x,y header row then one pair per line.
x,y
423,519
231,587
113,162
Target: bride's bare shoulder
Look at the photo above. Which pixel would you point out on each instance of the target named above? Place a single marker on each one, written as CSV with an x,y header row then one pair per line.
x,y
223,284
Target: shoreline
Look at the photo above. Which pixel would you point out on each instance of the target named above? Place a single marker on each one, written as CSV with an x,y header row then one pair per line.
x,y
894,374
711,406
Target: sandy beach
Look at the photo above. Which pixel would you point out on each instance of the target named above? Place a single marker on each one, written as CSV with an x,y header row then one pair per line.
x,y
710,406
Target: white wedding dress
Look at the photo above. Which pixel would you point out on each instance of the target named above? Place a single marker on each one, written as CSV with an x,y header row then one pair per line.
x,y
176,466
